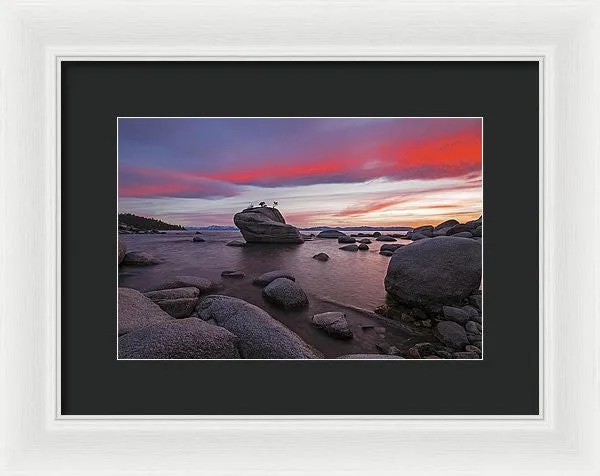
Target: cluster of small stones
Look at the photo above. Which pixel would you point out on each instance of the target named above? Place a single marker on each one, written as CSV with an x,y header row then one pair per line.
x,y
457,330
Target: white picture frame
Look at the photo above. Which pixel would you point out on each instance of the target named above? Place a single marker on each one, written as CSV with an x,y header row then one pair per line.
x,y
36,36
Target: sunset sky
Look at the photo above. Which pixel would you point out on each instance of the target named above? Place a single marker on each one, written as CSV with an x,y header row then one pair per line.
x,y
337,172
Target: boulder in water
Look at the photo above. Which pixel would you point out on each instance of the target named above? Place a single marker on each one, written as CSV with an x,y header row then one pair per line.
x,y
139,258
285,293
363,247
349,248
236,243
385,238
391,247
321,257
266,278
204,285
266,225
334,323
346,239
434,272
198,239
331,234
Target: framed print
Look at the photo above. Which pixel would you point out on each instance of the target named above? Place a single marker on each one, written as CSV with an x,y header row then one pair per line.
x,y
139,140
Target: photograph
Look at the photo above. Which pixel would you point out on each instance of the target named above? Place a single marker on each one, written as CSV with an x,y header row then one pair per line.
x,y
285,238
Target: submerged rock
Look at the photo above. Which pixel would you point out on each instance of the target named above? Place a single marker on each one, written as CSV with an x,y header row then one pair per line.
x,y
349,248
236,243
321,257
198,239
385,238
136,311
366,241
331,234
266,278
391,247
232,274
334,323
189,338
363,247
261,336
285,293
202,284
139,258
386,253
434,272
266,225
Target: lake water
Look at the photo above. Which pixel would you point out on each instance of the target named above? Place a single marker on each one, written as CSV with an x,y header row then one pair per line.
x,y
351,282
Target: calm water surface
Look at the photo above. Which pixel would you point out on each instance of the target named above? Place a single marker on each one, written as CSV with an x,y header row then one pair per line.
x,y
351,282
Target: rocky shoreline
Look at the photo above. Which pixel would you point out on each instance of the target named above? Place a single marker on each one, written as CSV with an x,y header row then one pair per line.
x,y
432,284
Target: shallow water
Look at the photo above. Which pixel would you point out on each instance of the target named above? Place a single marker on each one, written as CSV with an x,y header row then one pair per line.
x,y
351,282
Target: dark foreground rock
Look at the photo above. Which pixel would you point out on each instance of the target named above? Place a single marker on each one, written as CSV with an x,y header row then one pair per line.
x,y
285,293
455,314
189,338
386,253
266,225
136,311
266,278
261,336
451,334
331,234
334,323
177,302
139,258
434,272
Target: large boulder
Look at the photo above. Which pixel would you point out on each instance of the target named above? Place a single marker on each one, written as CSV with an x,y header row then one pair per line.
x,y
136,311
334,323
266,225
123,250
434,272
331,234
202,284
261,336
189,338
139,258
266,278
285,293
177,302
